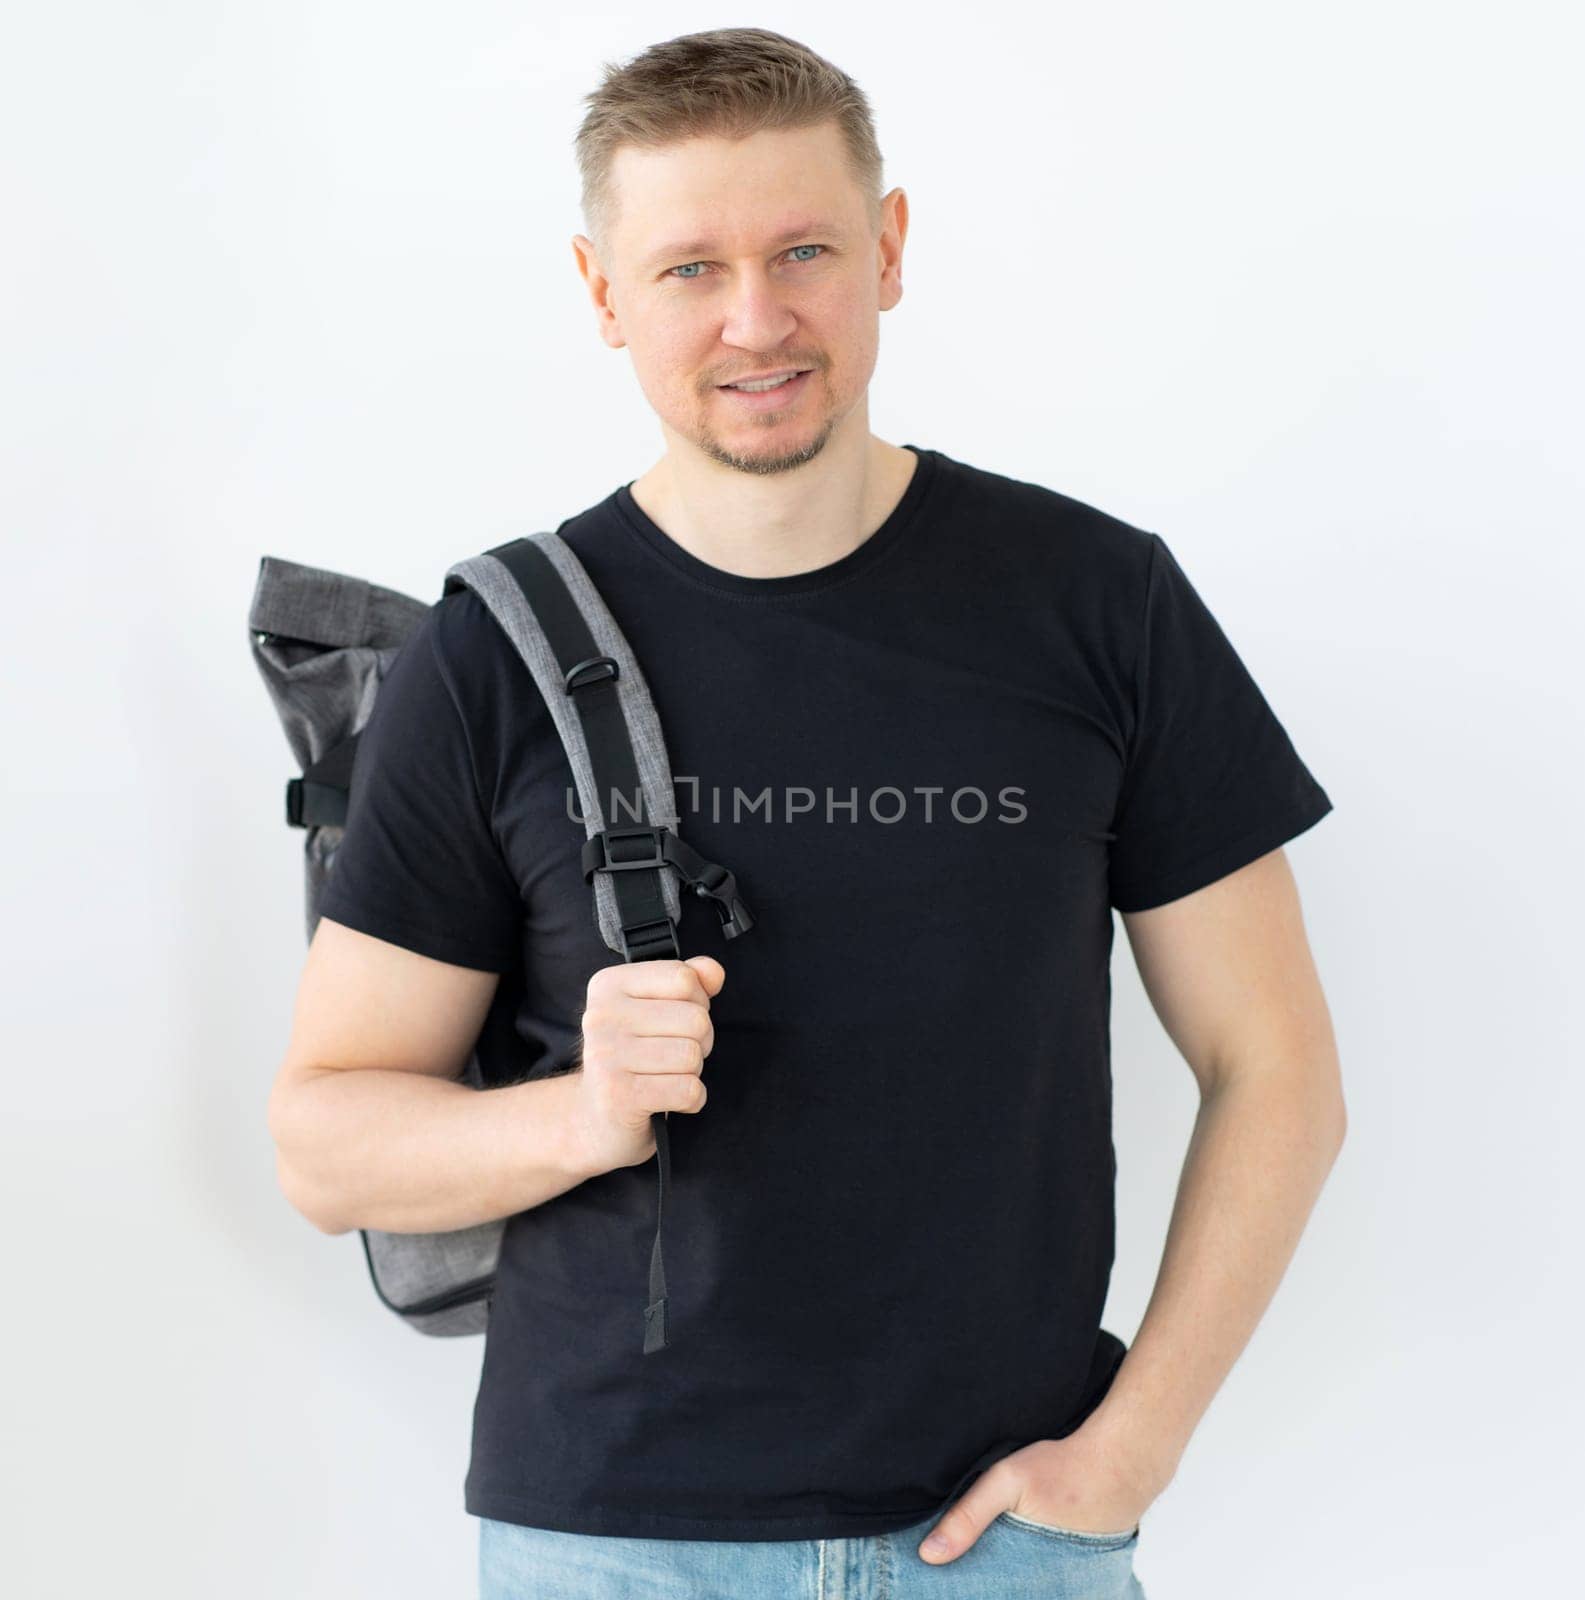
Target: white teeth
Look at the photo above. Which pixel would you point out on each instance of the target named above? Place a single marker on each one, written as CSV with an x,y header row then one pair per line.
x,y
761,387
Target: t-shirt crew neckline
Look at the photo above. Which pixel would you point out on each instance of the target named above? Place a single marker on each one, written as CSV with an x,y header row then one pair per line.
x,y
858,560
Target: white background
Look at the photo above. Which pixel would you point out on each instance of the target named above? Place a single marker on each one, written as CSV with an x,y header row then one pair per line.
x,y
1296,287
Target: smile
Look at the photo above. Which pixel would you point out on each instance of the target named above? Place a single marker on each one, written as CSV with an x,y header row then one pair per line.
x,y
768,392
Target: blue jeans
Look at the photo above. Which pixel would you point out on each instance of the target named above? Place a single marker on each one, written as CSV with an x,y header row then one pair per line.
x,y
1013,1559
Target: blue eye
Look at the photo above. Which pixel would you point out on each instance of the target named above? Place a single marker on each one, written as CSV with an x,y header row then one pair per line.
x,y
686,275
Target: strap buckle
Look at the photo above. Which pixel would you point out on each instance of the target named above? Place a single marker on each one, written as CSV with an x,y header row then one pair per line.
x,y
716,883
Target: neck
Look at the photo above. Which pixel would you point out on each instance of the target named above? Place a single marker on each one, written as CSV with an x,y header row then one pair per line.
x,y
779,525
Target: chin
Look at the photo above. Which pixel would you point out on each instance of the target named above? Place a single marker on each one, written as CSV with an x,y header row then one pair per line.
x,y
765,451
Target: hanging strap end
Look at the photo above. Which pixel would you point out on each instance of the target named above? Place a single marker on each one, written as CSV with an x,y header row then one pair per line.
x,y
655,1332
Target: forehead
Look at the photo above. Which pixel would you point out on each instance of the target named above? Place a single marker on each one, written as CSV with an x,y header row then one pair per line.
x,y
714,196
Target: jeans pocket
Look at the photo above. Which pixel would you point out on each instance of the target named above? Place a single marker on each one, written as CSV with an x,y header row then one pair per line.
x,y
1074,1536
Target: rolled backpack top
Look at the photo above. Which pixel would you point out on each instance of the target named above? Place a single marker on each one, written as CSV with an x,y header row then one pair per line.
x,y
323,642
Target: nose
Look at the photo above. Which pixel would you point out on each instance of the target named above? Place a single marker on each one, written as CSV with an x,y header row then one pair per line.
x,y
757,316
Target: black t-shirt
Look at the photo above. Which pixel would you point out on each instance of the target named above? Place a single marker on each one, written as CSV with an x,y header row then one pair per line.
x,y
935,766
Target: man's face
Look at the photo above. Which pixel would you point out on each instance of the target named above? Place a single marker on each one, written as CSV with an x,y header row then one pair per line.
x,y
737,258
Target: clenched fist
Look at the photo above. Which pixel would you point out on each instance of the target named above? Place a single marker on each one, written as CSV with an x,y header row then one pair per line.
x,y
646,1032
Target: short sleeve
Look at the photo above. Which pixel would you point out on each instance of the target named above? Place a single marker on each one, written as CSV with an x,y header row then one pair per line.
x,y
1211,779
418,864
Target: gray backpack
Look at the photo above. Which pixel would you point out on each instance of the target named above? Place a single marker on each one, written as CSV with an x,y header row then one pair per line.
x,y
323,642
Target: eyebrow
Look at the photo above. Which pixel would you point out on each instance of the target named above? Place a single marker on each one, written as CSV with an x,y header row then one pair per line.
x,y
704,247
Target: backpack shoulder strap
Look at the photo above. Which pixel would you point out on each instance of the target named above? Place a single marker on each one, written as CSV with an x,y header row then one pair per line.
x,y
539,592
544,600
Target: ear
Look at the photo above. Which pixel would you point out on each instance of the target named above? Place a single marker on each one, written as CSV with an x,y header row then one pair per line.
x,y
894,230
600,291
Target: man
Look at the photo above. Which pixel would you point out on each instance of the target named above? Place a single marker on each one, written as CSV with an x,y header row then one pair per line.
x,y
940,723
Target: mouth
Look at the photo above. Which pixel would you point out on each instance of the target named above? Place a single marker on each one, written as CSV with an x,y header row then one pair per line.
x,y
780,392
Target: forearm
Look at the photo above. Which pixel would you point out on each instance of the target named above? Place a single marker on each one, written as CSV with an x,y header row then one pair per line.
x,y
404,1152
1261,1149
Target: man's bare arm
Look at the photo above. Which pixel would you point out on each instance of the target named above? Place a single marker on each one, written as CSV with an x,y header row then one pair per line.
x,y
372,1128
1228,970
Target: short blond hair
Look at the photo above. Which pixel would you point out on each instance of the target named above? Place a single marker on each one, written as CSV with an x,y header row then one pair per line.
x,y
729,83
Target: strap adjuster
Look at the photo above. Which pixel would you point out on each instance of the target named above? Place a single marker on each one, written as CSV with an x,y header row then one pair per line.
x,y
707,879
597,850
650,941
